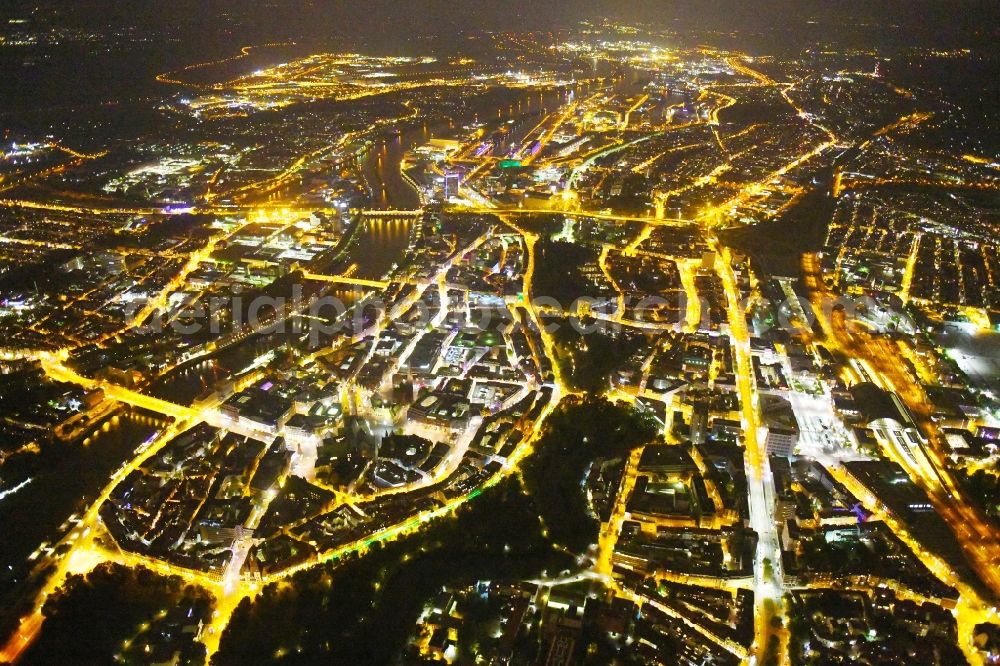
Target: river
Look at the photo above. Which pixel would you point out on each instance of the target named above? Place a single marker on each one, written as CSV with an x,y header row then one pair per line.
x,y
69,476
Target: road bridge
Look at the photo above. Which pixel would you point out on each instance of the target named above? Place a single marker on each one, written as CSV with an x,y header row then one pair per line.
x,y
345,279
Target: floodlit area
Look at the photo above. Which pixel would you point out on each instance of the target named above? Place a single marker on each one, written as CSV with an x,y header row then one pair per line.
x,y
621,342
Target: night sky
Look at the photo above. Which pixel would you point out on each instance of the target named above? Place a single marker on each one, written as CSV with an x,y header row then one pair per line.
x,y
915,20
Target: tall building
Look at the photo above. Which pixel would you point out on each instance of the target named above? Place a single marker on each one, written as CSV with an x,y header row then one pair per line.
x,y
782,428
452,183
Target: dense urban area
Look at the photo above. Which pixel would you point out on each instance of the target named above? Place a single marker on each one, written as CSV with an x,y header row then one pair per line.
x,y
622,343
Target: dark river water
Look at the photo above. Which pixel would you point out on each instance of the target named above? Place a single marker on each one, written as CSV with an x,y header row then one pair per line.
x,y
69,478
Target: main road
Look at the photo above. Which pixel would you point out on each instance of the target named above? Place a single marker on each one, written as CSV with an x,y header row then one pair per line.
x,y
768,585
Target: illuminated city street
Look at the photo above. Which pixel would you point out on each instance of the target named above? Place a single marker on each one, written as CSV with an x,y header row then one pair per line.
x,y
507,335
